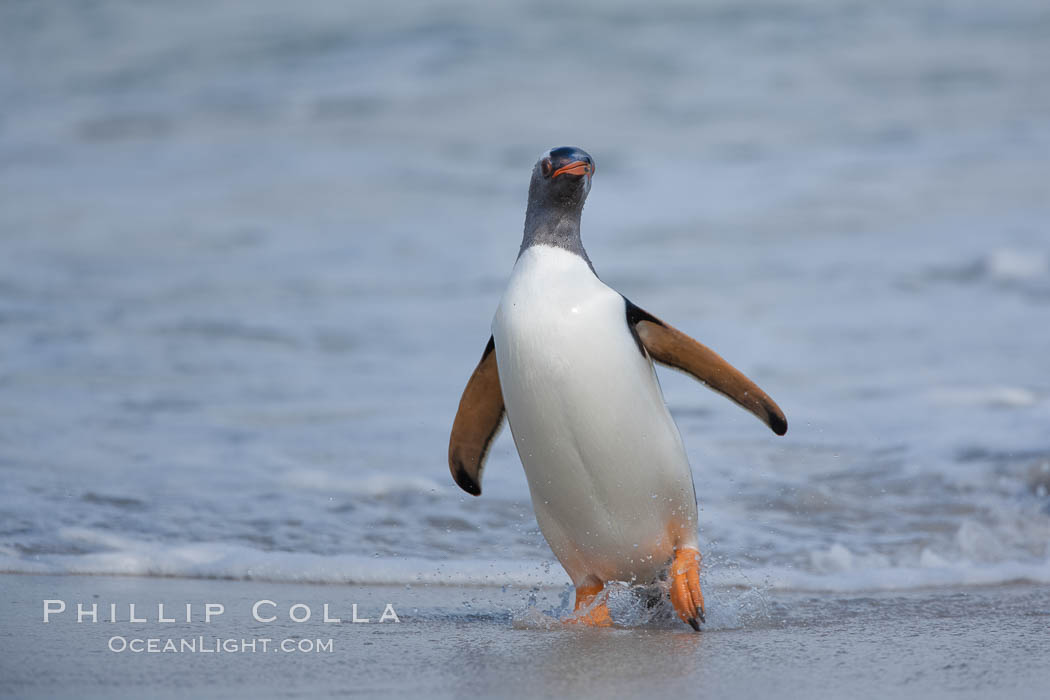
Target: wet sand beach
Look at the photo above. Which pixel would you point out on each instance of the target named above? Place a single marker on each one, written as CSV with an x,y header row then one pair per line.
x,y
452,641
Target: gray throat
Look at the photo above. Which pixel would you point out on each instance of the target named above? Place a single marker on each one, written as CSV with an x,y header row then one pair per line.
x,y
554,226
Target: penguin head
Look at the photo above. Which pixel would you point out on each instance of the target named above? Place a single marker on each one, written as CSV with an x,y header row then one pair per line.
x,y
562,178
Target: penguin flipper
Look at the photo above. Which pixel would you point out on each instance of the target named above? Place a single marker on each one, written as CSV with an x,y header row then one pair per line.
x,y
669,346
477,422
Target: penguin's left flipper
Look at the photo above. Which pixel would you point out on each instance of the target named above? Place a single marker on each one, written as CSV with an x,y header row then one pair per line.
x,y
669,346
477,423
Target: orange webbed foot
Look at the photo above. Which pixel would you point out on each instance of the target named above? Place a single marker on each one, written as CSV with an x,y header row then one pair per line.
x,y
591,608
686,597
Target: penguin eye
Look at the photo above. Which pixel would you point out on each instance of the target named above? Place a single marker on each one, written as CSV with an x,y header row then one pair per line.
x,y
546,167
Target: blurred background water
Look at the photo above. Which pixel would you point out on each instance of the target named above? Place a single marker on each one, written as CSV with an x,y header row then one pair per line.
x,y
249,253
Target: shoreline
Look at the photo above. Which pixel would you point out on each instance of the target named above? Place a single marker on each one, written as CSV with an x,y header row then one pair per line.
x,y
347,571
550,586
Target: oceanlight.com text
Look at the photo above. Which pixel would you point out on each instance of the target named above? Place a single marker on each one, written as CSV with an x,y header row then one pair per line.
x,y
217,645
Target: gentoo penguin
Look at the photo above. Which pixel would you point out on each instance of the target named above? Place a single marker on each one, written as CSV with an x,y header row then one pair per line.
x,y
570,364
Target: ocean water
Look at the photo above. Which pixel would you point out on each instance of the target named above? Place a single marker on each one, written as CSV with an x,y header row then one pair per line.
x,y
249,254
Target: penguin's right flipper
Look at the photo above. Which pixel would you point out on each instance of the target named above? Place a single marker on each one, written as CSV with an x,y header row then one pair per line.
x,y
477,422
670,346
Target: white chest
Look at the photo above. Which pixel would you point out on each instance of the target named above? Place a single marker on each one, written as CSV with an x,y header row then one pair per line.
x,y
555,307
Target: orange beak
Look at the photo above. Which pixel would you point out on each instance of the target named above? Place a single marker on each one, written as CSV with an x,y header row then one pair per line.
x,y
577,167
